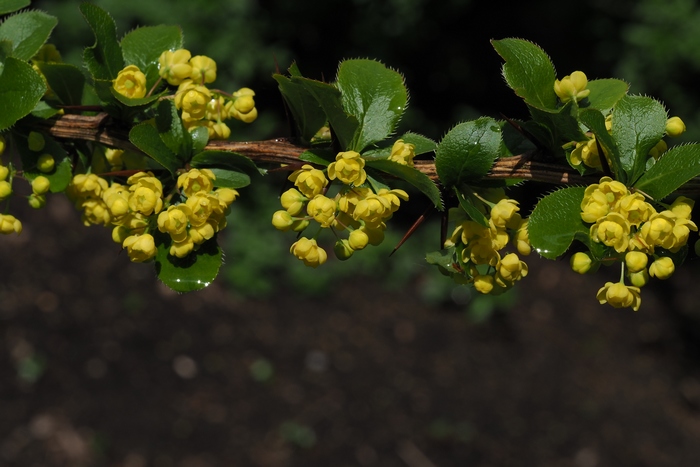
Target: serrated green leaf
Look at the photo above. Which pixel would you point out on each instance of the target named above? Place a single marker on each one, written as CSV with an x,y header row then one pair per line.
x,y
676,167
528,71
638,123
376,184
66,81
10,6
145,136
375,95
143,46
421,144
555,221
194,272
318,156
27,31
172,131
328,97
104,59
226,178
513,142
227,160
605,93
468,151
411,175
131,102
595,122
306,111
562,125
468,203
443,259
20,89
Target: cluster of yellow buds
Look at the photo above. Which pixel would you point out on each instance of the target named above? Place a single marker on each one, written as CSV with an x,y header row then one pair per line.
x,y
8,223
135,209
572,87
200,105
357,209
637,233
480,248
45,164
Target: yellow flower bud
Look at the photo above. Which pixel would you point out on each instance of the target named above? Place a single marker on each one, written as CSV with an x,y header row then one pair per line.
x,y
45,163
196,180
130,82
182,249
9,224
3,145
636,261
505,214
4,172
660,148
343,250
226,195
675,127
572,87
511,269
36,141
358,239
174,66
612,230
483,283
5,190
244,104
193,99
309,180
203,69
322,209
293,201
581,262
662,268
40,185
309,252
402,153
114,157
37,201
640,278
282,220
174,221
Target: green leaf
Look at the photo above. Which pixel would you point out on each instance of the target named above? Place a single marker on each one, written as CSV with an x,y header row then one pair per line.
x,y
143,46
443,259
27,31
20,89
528,71
9,6
411,175
376,184
318,156
562,125
226,160
66,81
145,136
676,167
468,151
128,101
172,131
638,123
200,138
375,95
605,93
555,221
422,144
328,97
44,110
104,60
468,203
193,272
306,110
226,178
595,122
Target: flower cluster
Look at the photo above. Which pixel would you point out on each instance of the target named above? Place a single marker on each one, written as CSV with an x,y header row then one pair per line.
x,y
8,223
479,250
136,209
200,105
634,233
356,209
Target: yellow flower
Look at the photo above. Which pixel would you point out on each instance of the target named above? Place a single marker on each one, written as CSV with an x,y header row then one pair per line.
x,y
130,82
510,269
195,180
174,222
505,214
202,206
309,252
522,239
581,262
620,295
193,99
183,248
372,209
660,148
483,283
95,212
86,186
662,268
675,127
635,208
140,248
226,195
402,153
9,224
640,278
394,197
174,66
145,200
348,168
45,163
595,205
481,251
203,69
309,180
613,230
322,209
586,152
682,207
572,87
5,190
116,197
293,201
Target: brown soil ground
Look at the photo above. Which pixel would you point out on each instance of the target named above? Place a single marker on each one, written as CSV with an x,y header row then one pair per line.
x,y
100,365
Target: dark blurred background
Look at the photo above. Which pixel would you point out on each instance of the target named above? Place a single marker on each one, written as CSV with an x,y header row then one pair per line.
x,y
377,361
